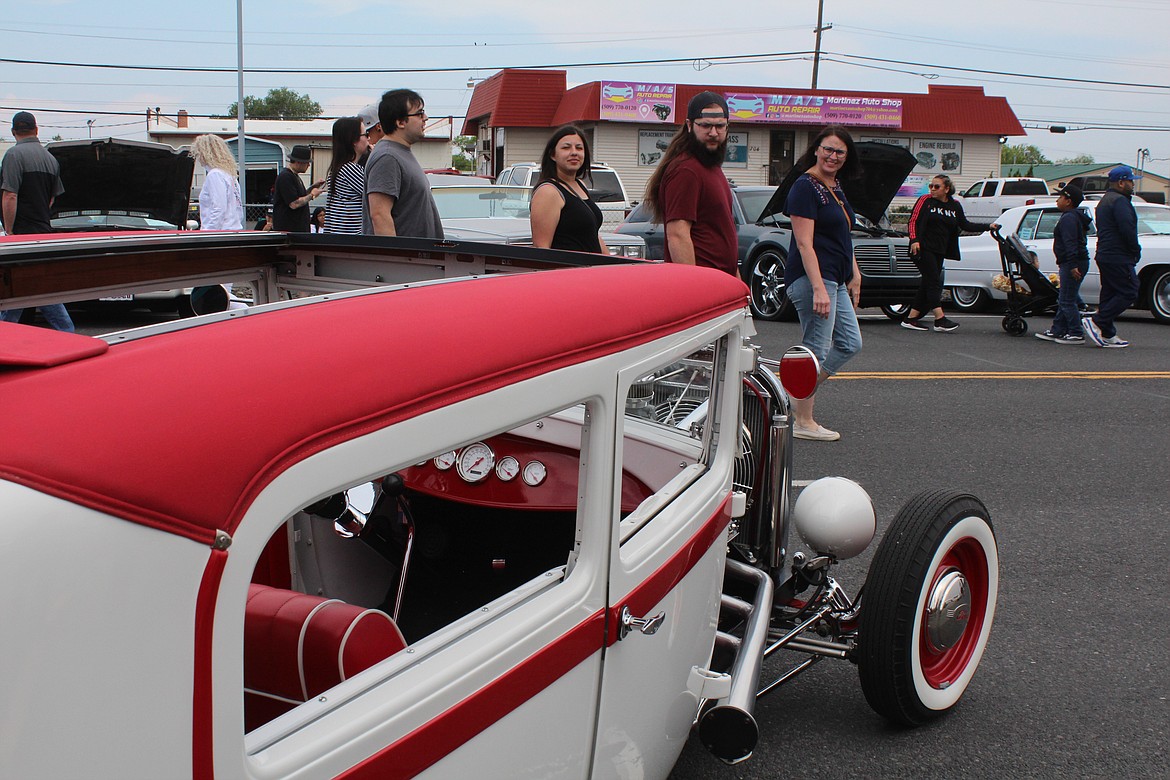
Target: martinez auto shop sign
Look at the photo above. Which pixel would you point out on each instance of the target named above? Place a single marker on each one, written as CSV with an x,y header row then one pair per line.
x,y
624,101
627,101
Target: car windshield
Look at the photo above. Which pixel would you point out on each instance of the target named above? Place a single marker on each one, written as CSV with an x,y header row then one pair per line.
x,y
605,187
753,201
482,202
1153,220
109,222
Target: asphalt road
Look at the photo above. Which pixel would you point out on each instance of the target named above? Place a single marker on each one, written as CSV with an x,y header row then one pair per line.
x,y
1076,678
1068,448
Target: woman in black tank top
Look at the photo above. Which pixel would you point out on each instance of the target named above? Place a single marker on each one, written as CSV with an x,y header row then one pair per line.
x,y
563,215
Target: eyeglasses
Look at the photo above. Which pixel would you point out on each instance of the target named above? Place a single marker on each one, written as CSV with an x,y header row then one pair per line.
x,y
372,129
423,114
831,152
716,126
934,186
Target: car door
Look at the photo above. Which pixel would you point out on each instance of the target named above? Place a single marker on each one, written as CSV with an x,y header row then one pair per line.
x,y
666,570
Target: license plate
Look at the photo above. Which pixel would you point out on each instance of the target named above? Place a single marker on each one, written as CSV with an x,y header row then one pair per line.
x,y
117,298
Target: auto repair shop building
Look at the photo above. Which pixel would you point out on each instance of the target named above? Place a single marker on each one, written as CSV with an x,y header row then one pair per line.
x,y
956,130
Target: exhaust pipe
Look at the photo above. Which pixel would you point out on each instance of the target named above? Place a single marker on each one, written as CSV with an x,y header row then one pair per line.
x,y
728,729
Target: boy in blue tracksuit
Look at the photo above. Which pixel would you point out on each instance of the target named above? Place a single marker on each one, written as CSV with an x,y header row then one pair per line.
x,y
1072,258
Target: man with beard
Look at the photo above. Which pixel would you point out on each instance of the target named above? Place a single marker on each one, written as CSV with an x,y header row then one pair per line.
x,y
689,194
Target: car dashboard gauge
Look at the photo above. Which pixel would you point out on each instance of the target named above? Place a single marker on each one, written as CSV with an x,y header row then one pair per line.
x,y
475,462
445,460
534,473
508,468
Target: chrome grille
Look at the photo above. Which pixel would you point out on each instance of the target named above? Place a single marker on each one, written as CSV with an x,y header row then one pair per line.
x,y
873,258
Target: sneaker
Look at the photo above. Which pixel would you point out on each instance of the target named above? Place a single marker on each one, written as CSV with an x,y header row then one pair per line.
x,y
1068,338
819,433
1116,342
1092,332
914,324
1048,335
945,326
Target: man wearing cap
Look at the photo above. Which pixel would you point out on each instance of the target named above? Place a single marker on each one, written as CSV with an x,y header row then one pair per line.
x,y
290,200
30,178
1118,251
398,194
689,194
373,125
1072,259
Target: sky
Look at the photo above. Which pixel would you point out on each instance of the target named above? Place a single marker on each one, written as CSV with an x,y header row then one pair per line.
x,y
1003,45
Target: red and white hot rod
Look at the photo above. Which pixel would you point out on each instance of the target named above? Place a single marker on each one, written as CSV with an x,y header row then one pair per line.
x,y
495,525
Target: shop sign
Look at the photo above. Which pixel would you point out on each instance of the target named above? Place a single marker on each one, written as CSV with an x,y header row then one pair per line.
x,y
652,144
815,109
938,155
627,101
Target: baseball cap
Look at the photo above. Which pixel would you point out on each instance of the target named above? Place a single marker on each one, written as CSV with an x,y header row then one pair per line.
x,y
1073,193
24,121
1121,173
369,116
704,99
301,153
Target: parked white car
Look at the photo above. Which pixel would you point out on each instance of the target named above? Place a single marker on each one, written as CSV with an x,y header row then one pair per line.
x,y
605,187
970,280
500,215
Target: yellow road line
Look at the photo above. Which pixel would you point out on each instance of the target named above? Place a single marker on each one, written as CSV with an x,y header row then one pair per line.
x,y
904,375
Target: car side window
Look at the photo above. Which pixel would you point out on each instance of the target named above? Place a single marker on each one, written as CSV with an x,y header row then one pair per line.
x,y
505,177
442,544
640,214
989,189
974,190
1046,227
667,436
1028,225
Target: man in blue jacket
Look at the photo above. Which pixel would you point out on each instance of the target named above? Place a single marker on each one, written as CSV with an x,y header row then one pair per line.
x,y
1072,260
1118,251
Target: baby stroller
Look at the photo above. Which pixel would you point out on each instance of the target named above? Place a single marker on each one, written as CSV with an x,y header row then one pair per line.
x,y
1021,273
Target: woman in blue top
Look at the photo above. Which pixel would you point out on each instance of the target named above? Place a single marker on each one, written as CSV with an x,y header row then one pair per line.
x,y
821,277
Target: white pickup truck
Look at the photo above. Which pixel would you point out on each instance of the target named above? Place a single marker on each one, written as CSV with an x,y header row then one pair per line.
x,y
988,198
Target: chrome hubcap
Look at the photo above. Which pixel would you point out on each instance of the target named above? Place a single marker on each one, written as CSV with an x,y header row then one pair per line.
x,y
948,610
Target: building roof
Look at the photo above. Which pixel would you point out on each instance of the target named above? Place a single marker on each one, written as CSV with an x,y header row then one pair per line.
x,y
518,98
142,442
1058,172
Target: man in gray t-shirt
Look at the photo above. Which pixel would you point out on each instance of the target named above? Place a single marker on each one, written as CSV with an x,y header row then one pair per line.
x,y
398,198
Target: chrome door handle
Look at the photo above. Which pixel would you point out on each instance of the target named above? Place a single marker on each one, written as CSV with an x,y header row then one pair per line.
x,y
646,625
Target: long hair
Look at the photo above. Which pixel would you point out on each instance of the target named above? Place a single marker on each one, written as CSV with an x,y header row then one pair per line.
x,y
211,152
346,132
850,169
548,167
681,144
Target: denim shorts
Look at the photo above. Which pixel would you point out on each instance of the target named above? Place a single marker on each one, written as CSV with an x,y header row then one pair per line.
x,y
833,339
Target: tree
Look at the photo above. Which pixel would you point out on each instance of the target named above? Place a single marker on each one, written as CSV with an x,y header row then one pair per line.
x,y
1022,154
1080,159
279,103
463,158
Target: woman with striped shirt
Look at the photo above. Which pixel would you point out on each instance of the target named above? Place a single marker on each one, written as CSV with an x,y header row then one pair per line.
x,y
347,178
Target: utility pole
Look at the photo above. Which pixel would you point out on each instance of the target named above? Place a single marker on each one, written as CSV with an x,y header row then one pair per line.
x,y
820,29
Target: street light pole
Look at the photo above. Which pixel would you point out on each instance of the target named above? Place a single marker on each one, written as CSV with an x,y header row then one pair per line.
x,y
240,155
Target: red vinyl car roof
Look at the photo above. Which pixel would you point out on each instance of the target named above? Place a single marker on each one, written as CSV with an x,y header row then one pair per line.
x,y
144,430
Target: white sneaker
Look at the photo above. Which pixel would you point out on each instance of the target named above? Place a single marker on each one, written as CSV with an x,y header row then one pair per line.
x,y
1115,341
1092,332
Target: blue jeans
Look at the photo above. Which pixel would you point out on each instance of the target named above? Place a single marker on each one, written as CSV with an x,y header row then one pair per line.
x,y
54,313
1068,315
833,339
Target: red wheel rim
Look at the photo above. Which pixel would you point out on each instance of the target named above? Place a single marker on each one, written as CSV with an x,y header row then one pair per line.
x,y
943,667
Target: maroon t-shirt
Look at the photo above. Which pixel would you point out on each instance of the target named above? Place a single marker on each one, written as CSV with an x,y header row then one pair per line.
x,y
701,196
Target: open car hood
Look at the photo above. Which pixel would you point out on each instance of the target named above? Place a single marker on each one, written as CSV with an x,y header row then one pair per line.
x,y
884,167
115,177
